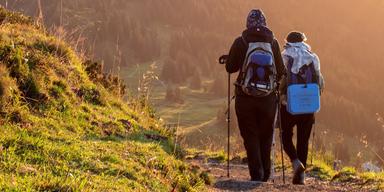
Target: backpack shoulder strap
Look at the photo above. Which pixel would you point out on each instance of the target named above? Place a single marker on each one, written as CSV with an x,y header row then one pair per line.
x,y
244,41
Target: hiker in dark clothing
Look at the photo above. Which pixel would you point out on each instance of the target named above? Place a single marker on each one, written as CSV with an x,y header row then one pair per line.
x,y
255,114
296,55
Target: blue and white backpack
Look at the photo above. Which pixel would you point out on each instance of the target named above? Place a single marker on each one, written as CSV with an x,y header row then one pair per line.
x,y
303,90
259,71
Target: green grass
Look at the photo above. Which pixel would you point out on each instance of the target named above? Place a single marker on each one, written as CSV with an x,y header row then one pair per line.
x,y
370,180
196,116
217,156
376,178
322,169
322,166
60,131
198,107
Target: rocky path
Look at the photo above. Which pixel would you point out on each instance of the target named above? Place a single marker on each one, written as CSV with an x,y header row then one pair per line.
x,y
239,181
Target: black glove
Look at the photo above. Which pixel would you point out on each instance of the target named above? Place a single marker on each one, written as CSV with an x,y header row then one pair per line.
x,y
223,59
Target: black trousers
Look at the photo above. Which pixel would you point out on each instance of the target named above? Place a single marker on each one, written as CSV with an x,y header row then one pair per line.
x,y
255,118
304,125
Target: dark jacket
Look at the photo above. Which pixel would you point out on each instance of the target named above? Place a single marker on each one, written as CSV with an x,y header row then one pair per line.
x,y
239,49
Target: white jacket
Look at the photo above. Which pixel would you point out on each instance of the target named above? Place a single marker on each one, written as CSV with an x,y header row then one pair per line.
x,y
302,55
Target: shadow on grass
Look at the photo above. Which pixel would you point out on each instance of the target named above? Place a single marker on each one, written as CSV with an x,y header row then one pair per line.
x,y
145,137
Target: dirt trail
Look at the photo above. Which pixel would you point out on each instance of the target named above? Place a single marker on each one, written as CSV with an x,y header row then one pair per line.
x,y
239,181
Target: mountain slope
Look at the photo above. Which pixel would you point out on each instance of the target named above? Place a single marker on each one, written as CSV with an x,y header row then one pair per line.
x,y
63,131
197,32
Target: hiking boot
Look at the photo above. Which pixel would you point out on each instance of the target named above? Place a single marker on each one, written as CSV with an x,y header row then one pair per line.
x,y
298,172
302,179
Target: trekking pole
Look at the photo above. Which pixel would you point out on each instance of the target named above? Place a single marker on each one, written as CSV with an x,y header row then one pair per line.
x,y
229,124
281,130
223,60
274,147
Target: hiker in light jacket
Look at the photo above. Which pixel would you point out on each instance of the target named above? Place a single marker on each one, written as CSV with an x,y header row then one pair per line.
x,y
255,114
296,55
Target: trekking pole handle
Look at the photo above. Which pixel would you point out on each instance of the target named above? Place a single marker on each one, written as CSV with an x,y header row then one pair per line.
x,y
223,59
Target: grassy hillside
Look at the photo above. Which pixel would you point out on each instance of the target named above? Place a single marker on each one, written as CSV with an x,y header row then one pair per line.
x,y
62,130
188,36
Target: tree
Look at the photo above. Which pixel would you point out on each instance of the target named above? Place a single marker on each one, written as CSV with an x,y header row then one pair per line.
x,y
219,86
173,94
195,82
170,72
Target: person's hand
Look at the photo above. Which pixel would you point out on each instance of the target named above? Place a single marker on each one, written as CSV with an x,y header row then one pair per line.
x,y
223,59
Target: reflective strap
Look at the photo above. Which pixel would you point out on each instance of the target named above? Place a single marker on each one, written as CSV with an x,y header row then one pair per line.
x,y
264,90
261,86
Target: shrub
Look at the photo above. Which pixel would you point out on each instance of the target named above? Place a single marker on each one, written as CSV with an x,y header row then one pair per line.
x,y
5,82
90,95
13,17
109,81
208,180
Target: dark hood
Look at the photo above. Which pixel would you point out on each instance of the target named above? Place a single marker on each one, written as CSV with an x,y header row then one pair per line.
x,y
258,34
